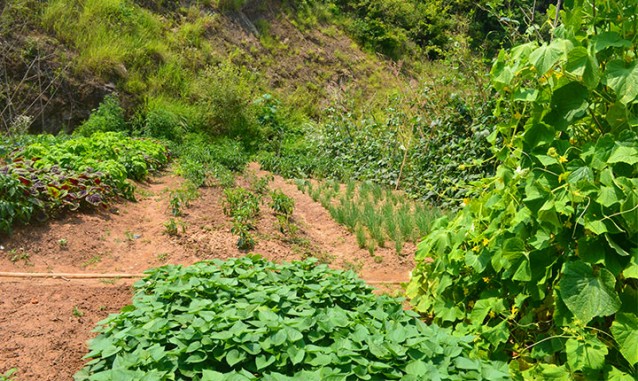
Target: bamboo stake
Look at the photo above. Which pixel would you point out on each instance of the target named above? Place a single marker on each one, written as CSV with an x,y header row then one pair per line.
x,y
67,275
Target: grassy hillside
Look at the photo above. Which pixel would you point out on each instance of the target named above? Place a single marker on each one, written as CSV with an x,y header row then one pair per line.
x,y
184,58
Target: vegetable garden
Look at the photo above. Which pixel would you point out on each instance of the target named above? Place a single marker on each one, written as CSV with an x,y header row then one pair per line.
x,y
513,205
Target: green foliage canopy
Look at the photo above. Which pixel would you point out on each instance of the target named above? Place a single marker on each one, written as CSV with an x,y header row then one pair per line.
x,y
249,319
544,263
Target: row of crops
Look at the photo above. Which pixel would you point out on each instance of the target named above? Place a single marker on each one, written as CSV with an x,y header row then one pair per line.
x,y
43,176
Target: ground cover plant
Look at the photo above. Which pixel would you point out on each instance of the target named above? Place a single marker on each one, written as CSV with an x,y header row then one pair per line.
x,y
375,214
250,319
543,265
206,162
41,176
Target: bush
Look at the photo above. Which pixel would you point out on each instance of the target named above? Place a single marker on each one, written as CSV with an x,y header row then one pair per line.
x,y
109,116
161,123
226,93
544,263
210,162
249,319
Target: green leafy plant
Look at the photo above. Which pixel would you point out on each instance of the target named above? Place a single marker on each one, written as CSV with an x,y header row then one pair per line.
x,y
242,206
207,162
254,320
260,185
109,116
174,227
375,215
283,206
45,175
182,197
9,375
544,262
77,312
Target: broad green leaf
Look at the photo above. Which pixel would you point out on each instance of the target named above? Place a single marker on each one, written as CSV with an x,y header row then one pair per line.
x,y
279,337
526,95
539,134
211,375
607,196
631,271
569,103
583,65
296,354
483,307
605,40
546,56
417,368
618,117
262,361
625,331
547,348
586,354
629,210
555,373
524,272
588,294
617,248
497,334
624,154
234,357
622,77
597,227
617,375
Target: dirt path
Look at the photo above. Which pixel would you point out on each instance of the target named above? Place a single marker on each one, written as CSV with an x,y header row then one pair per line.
x,y
44,324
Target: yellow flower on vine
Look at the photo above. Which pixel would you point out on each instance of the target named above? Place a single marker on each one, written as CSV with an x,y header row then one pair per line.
x,y
563,159
476,249
486,241
486,279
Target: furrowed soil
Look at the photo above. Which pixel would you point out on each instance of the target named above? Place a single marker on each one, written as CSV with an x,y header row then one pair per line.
x,y
45,323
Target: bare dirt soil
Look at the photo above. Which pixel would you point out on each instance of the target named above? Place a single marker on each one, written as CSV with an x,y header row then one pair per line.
x,y
45,323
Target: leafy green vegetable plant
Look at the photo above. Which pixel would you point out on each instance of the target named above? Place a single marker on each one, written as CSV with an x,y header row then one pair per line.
x,y
242,206
249,319
544,263
45,175
283,206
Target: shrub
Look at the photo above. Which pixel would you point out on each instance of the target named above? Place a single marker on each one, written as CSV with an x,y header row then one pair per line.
x,y
250,319
109,116
544,262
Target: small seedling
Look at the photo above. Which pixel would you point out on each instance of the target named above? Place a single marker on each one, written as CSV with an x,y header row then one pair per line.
x,y
63,243
8,375
172,227
91,261
76,312
19,255
162,257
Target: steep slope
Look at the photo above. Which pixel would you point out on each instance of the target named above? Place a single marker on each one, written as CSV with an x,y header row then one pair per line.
x,y
60,58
